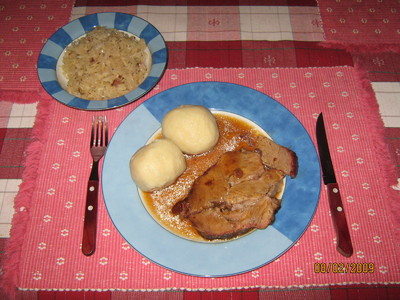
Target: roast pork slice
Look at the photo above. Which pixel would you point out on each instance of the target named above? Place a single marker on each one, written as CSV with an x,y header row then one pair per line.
x,y
210,189
220,223
277,156
249,191
233,197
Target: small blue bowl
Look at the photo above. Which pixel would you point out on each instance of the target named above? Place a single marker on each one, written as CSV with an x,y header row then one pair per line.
x,y
55,46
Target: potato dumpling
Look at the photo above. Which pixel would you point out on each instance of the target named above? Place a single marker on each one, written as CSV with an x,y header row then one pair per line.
x,y
192,128
157,165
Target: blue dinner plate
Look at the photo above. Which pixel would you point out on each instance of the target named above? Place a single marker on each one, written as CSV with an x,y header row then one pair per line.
x,y
56,44
142,232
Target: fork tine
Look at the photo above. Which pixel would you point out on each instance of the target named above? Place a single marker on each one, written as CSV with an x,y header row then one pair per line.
x,y
96,131
106,131
92,135
100,132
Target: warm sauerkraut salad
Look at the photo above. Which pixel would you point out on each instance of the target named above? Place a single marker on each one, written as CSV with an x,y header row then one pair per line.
x,y
104,64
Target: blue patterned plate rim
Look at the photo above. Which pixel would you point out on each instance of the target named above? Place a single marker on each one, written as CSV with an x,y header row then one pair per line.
x,y
144,234
56,44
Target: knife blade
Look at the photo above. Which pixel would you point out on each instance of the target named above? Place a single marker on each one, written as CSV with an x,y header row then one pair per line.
x,y
343,243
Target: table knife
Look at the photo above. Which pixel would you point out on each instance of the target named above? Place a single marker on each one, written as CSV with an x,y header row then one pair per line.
x,y
343,243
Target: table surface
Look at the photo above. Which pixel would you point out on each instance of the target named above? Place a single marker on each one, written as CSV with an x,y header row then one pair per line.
x,y
215,34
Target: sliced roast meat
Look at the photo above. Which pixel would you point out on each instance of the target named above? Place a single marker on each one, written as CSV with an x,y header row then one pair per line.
x,y
210,189
277,156
234,196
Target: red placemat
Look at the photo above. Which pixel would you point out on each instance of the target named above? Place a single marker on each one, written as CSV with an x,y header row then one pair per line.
x,y
44,251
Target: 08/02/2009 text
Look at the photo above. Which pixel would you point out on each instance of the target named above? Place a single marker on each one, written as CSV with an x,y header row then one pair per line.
x,y
344,267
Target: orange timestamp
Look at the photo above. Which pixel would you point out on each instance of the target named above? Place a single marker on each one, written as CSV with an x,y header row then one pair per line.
x,y
344,267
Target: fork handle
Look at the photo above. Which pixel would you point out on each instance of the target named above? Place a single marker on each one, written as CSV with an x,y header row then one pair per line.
x,y
90,222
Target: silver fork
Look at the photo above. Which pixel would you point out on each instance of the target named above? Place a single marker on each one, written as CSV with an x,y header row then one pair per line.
x,y
98,146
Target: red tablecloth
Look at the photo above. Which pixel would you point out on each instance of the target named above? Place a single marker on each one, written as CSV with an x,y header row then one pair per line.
x,y
277,34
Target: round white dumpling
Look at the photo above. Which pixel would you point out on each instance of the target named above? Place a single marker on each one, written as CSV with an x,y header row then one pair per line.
x,y
192,128
157,165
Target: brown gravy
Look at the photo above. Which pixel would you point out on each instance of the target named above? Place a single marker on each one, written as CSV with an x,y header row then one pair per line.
x,y
234,134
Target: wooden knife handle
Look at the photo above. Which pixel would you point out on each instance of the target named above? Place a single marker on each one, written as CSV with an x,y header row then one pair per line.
x,y
90,222
344,245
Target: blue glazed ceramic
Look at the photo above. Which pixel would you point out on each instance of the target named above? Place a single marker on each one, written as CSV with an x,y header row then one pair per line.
x,y
54,47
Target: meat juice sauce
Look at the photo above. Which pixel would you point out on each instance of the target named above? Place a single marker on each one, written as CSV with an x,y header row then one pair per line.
x,y
235,133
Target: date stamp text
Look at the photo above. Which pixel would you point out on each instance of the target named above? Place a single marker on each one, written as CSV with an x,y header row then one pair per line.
x,y
344,267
